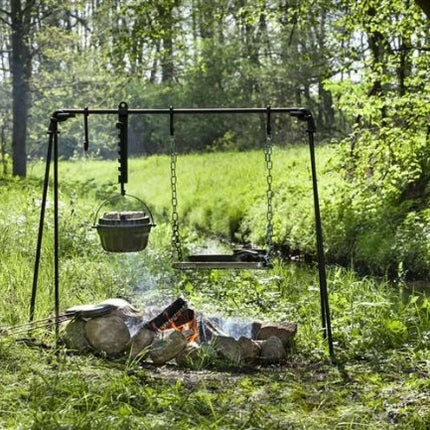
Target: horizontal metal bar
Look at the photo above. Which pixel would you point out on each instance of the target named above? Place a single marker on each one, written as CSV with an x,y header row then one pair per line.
x,y
300,112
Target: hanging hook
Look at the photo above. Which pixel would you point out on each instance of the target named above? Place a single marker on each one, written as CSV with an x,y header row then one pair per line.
x,y
172,126
86,141
268,121
122,126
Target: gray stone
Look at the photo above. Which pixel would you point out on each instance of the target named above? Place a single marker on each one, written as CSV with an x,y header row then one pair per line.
x,y
108,334
73,335
250,349
195,356
284,331
140,343
228,348
167,346
272,350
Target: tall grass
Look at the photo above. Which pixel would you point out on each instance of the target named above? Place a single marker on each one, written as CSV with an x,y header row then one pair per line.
x,y
222,194
381,335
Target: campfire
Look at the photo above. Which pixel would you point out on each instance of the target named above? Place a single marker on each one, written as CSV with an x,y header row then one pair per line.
x,y
178,333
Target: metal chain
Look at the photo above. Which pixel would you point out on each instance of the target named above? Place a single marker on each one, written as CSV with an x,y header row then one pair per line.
x,y
269,193
176,240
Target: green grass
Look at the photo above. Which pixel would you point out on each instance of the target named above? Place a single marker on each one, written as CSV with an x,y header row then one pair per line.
x,y
381,331
376,384
220,193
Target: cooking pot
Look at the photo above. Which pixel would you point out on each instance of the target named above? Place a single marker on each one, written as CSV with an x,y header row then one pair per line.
x,y
124,231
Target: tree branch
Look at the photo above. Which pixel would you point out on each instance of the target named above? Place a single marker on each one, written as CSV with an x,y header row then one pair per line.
x,y
7,14
80,20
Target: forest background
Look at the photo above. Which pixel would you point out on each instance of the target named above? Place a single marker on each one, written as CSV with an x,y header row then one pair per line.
x,y
361,67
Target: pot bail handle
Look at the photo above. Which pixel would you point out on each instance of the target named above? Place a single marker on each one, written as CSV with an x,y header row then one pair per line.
x,y
118,197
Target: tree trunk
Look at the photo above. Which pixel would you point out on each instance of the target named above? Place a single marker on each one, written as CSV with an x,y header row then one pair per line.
x,y
21,72
405,67
165,11
167,64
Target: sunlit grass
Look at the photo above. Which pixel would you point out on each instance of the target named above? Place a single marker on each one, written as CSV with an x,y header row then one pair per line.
x,y
219,193
381,334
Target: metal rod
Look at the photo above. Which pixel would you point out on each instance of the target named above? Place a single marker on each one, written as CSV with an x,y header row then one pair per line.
x,y
86,141
56,242
228,265
325,309
52,130
268,121
299,112
34,325
171,122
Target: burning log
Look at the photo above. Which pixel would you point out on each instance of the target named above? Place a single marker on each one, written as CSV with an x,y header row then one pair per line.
x,y
186,322
177,333
167,315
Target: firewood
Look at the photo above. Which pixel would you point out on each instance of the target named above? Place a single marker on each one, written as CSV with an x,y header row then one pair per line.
x,y
168,314
108,334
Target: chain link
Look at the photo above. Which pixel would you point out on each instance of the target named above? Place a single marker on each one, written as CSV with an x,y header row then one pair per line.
x,y
176,240
269,193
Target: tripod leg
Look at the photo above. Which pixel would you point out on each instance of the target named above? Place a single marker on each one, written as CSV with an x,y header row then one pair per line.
x,y
42,220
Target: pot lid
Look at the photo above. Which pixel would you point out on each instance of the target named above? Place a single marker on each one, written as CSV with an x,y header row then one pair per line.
x,y
128,217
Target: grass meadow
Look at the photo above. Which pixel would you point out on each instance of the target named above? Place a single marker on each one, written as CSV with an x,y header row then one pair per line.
x,y
380,378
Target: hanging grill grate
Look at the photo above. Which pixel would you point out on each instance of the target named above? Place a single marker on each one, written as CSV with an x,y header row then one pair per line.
x,y
244,258
239,259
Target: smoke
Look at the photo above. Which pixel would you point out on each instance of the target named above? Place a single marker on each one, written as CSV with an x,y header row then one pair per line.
x,y
234,327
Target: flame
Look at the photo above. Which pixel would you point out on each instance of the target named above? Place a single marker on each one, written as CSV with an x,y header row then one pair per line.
x,y
190,329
